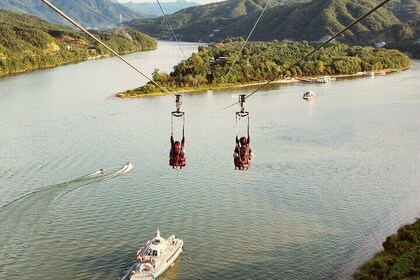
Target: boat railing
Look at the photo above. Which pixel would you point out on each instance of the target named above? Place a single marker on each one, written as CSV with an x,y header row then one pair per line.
x,y
171,240
141,250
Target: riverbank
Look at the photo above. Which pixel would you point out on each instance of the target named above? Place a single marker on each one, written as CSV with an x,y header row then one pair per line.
x,y
304,79
29,43
214,66
44,67
133,94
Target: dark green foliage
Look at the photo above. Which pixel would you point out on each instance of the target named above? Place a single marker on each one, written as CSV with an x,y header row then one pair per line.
x,y
27,43
405,10
404,266
407,34
400,258
262,61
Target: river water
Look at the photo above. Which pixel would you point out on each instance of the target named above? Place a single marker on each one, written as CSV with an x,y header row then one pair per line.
x,y
331,178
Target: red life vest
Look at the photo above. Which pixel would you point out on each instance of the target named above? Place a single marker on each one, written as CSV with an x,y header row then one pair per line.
x,y
177,157
244,158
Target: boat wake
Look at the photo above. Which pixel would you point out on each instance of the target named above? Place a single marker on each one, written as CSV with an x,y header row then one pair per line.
x,y
29,215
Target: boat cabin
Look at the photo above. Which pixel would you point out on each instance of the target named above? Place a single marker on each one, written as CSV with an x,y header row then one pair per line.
x,y
156,247
309,95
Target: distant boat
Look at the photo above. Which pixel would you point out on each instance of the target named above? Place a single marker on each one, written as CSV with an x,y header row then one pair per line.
x,y
304,80
155,257
329,78
370,74
309,95
380,73
321,80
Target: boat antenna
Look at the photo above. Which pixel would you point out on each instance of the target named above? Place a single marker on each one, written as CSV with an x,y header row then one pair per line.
x,y
103,44
313,51
246,41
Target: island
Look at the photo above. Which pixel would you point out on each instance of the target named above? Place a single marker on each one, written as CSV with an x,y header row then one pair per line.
x,y
30,43
400,258
220,65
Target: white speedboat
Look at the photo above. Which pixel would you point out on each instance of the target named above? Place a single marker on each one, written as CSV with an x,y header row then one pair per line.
x,y
155,257
369,74
321,80
309,95
380,73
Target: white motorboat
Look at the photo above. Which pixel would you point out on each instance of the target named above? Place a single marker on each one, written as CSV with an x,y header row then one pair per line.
x,y
155,257
309,95
322,80
369,74
380,73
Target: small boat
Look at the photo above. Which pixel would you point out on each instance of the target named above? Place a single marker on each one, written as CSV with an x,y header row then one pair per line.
x,y
322,80
309,95
380,73
369,74
155,257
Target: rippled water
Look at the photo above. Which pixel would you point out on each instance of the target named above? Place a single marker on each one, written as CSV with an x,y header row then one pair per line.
x,y
330,179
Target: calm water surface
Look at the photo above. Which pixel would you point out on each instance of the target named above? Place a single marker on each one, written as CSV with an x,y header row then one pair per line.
x,y
330,179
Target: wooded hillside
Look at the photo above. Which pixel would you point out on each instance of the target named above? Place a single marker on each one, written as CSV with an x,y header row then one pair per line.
x,y
291,20
28,43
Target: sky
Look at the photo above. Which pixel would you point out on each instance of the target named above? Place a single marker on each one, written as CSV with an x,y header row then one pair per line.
x,y
197,1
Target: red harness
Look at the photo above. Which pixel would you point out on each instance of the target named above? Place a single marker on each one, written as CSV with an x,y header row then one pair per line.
x,y
177,158
243,160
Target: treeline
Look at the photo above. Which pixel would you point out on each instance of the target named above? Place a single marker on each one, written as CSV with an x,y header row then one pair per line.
x,y
262,61
28,43
400,258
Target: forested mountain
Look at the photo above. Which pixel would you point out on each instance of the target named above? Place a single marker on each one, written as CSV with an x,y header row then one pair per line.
x,y
28,42
151,9
291,20
202,20
89,13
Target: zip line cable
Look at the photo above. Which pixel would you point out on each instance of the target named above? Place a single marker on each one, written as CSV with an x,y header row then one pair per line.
x,y
170,26
246,41
103,44
316,49
173,33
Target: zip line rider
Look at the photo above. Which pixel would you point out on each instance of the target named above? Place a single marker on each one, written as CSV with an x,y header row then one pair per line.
x,y
177,157
242,154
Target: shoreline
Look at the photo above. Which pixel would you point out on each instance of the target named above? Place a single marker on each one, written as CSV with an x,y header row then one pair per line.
x,y
45,67
302,79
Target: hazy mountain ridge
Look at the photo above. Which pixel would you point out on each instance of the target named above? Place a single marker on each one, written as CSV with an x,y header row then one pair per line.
x,y
151,9
89,13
